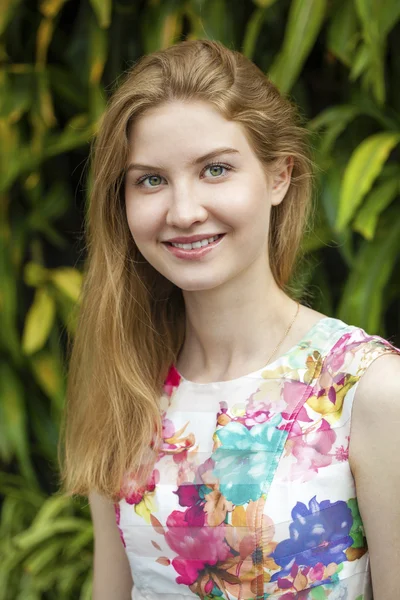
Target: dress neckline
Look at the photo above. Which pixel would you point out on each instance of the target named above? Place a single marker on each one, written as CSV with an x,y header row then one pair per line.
x,y
270,365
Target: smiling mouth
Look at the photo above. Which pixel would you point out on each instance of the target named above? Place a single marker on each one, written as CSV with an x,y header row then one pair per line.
x,y
196,245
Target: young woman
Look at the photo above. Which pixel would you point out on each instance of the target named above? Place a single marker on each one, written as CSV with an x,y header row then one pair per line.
x,y
233,443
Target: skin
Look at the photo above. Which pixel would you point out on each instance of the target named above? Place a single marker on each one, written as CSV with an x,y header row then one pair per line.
x,y
235,312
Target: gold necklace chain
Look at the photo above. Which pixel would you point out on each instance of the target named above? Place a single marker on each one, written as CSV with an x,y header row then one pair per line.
x,y
284,337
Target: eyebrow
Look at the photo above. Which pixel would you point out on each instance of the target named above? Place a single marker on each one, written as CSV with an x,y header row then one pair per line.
x,y
194,162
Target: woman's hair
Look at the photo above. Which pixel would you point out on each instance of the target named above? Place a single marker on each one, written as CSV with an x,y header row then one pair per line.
x,y
132,320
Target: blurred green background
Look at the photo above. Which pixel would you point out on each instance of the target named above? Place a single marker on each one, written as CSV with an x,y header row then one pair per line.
x,y
59,61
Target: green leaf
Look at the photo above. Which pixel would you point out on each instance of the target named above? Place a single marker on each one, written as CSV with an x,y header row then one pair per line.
x,y
364,167
162,23
68,281
317,593
79,542
48,372
102,10
35,274
377,17
375,203
304,23
13,418
36,535
44,555
51,509
87,588
360,62
253,27
39,321
8,8
357,528
8,291
362,302
264,3
334,120
343,32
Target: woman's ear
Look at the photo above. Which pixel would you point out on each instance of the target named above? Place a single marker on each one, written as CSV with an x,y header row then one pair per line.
x,y
281,179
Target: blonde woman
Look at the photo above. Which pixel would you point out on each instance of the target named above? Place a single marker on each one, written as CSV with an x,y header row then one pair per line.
x,y
233,443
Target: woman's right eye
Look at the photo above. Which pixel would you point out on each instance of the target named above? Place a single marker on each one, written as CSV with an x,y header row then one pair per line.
x,y
153,180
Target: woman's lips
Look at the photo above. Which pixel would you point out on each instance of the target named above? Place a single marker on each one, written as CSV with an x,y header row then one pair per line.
x,y
194,253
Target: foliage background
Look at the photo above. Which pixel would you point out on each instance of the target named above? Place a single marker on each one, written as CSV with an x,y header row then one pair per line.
x,y
59,60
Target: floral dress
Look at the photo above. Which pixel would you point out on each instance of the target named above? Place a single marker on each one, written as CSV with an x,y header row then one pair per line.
x,y
252,496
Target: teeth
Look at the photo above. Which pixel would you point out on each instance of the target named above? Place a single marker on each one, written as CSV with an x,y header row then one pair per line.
x,y
198,244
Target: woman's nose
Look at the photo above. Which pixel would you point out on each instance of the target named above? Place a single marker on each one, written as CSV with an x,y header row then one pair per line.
x,y
185,208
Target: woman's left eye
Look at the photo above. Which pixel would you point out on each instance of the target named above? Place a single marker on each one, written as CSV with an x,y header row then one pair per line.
x,y
217,169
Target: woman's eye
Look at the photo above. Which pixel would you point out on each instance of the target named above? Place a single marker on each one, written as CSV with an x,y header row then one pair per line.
x,y
153,181
217,170
214,171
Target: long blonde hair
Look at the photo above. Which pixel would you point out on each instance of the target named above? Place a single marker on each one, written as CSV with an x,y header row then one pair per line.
x,y
132,320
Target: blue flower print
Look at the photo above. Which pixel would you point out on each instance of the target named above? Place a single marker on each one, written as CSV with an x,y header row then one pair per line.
x,y
318,534
246,461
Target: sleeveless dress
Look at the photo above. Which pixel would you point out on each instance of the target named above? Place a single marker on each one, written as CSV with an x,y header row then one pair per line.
x,y
252,496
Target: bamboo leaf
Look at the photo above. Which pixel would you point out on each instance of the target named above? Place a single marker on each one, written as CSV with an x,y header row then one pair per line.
x,y
377,18
36,535
365,165
13,418
80,541
41,558
334,120
34,274
87,588
102,10
39,321
8,291
253,27
48,372
51,509
360,62
162,24
304,23
68,281
8,8
343,33
376,202
362,302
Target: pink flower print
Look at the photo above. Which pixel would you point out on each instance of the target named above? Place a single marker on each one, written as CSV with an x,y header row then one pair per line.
x,y
311,449
256,415
296,393
196,547
172,380
189,496
134,494
168,428
344,352
342,453
117,509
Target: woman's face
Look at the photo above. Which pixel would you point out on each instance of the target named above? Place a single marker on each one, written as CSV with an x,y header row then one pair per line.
x,y
192,175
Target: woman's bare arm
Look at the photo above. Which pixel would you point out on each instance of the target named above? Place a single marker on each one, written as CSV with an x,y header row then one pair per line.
x,y
112,576
375,461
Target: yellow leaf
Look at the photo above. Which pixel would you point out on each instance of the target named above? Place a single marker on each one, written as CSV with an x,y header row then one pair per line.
x,y
146,507
49,374
239,517
34,274
43,39
363,168
68,281
51,8
39,322
102,9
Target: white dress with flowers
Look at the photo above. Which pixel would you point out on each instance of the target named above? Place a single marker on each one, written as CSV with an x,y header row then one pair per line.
x,y
252,496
